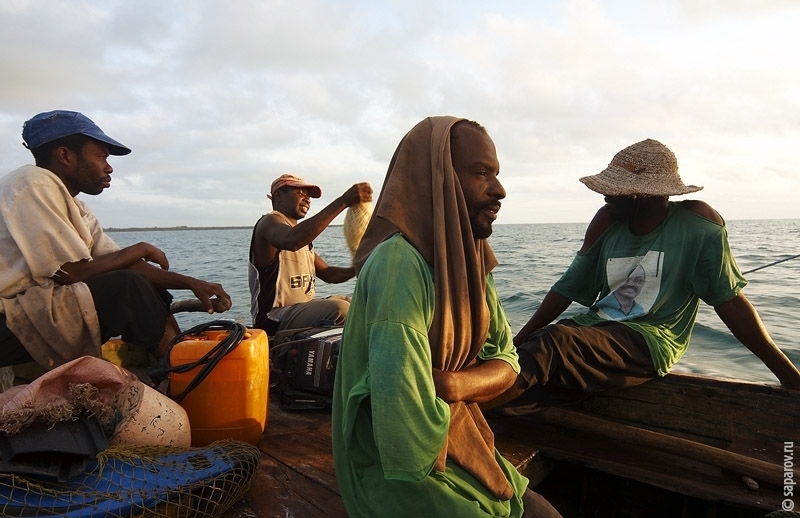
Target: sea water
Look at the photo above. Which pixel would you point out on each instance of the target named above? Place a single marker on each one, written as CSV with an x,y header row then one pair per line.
x,y
532,257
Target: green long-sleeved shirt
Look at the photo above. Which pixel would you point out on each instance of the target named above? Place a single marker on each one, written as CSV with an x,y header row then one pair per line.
x,y
388,424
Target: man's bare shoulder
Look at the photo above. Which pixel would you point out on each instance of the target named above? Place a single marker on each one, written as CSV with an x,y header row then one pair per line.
x,y
604,218
270,220
703,209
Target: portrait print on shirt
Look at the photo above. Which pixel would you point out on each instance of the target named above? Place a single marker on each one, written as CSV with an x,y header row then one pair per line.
x,y
634,283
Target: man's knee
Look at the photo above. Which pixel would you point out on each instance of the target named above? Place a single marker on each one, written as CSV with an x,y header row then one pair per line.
x,y
129,305
536,506
336,310
535,359
120,282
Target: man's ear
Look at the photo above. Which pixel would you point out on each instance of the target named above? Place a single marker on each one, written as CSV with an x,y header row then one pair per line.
x,y
278,196
62,155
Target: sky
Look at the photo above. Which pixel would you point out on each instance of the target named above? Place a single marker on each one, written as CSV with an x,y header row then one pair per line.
x,y
217,99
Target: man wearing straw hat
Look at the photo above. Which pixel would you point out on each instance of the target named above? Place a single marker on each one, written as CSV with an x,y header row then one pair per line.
x,y
681,252
426,340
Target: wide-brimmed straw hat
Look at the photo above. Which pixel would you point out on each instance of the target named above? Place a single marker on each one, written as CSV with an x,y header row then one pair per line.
x,y
647,168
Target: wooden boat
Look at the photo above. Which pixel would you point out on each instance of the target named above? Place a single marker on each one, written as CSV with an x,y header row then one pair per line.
x,y
682,445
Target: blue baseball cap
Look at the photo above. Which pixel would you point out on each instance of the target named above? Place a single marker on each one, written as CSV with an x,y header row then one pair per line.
x,y
49,126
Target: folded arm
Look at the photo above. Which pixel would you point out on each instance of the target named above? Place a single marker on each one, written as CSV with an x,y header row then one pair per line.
x,y
127,257
478,383
140,258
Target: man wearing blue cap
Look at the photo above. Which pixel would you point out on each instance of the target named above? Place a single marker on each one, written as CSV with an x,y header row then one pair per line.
x,y
65,286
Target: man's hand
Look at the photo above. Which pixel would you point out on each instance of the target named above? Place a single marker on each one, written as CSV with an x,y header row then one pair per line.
x,y
152,254
745,324
204,290
358,193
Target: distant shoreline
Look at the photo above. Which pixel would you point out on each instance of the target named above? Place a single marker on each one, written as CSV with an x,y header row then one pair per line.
x,y
185,227
181,227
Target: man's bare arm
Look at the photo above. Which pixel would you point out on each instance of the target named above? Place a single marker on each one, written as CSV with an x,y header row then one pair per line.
x,y
294,238
332,274
550,308
140,258
79,271
479,383
745,324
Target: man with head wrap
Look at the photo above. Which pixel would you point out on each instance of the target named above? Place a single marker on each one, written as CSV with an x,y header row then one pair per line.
x,y
426,340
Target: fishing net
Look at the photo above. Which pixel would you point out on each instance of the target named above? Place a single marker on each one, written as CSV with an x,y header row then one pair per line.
x,y
356,220
140,481
88,439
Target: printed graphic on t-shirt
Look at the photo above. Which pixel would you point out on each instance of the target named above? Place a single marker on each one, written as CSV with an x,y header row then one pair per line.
x,y
634,283
297,282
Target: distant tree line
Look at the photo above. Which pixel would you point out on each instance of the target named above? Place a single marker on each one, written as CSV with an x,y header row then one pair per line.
x,y
179,227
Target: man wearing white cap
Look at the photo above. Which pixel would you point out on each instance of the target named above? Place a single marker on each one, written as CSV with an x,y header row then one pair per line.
x,y
65,286
283,265
681,253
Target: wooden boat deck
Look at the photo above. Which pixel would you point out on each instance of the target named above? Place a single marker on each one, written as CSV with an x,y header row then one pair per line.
x,y
584,469
296,478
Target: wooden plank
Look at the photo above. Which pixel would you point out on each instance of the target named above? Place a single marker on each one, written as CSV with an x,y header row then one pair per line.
x,y
296,478
741,464
282,492
675,473
717,410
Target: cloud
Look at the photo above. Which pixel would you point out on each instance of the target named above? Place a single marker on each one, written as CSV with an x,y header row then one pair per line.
x,y
218,98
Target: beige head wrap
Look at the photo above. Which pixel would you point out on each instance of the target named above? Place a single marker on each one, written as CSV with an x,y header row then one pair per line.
x,y
422,198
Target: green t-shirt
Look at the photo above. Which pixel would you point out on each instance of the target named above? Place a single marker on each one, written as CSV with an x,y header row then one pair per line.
x,y
683,261
388,424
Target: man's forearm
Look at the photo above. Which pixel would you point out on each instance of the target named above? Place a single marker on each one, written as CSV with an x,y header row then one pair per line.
x,y
479,383
745,324
162,279
336,274
551,307
79,271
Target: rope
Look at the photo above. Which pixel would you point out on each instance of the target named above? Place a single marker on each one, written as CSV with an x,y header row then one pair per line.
x,y
209,360
770,264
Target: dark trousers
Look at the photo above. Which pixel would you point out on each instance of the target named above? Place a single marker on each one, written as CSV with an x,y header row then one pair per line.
x,y
563,361
127,305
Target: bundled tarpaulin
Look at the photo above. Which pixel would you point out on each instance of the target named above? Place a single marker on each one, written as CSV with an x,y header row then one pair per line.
x,y
128,411
89,439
